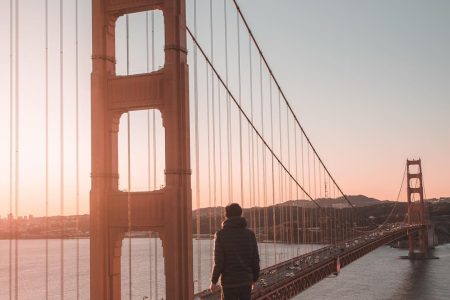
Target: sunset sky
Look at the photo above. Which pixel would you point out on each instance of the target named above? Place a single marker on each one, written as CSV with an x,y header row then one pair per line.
x,y
369,81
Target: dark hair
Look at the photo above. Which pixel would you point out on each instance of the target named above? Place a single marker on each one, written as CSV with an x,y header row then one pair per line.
x,y
233,210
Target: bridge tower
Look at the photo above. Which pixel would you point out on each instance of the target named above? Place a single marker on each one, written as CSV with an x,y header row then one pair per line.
x,y
167,211
416,209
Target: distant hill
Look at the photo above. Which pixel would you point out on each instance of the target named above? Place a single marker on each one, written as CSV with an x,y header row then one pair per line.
x,y
357,200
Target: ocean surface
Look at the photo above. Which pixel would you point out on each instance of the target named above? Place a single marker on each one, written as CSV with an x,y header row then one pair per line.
x,y
378,275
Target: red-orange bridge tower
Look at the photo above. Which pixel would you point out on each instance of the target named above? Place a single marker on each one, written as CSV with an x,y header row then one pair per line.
x,y
167,211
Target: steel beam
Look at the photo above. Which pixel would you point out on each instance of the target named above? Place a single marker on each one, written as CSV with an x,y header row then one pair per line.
x,y
416,209
136,92
169,210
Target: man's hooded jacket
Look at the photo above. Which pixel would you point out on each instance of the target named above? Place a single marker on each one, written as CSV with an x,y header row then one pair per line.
x,y
236,255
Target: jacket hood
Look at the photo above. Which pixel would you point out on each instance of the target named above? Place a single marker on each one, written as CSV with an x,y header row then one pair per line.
x,y
234,222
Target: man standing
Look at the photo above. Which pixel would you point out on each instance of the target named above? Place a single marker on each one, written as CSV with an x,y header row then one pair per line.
x,y
236,258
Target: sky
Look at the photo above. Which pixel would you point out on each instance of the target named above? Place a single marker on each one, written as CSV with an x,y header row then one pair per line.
x,y
368,80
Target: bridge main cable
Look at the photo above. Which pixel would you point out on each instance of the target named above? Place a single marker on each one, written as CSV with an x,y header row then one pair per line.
x,y
248,119
286,101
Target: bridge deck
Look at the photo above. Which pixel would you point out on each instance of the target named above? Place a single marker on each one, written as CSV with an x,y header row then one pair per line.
x,y
289,278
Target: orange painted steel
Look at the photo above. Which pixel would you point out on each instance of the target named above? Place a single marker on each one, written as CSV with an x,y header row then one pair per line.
x,y
416,210
167,211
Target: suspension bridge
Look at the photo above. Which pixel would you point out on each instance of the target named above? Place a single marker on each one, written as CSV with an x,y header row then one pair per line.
x,y
174,82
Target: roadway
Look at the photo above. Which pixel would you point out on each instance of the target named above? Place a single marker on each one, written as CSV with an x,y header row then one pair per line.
x,y
303,271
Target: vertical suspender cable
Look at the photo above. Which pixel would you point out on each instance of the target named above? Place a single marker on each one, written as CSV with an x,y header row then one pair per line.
x,y
129,166
77,156
324,215
329,217
213,110
320,211
303,194
345,223
311,211
61,82
197,164
148,156
273,175
341,221
315,216
149,187
290,181
265,200
280,201
252,134
147,58
11,140
331,212
240,115
154,158
341,224
281,172
261,224
17,161
230,152
315,198
288,185
157,235
226,40
255,206
324,211
151,235
250,180
296,193
273,214
320,180
354,220
209,161
229,116
129,203
335,217
46,149
220,147
349,223
264,166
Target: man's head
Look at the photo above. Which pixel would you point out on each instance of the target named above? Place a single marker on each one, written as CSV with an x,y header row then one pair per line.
x,y
233,210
